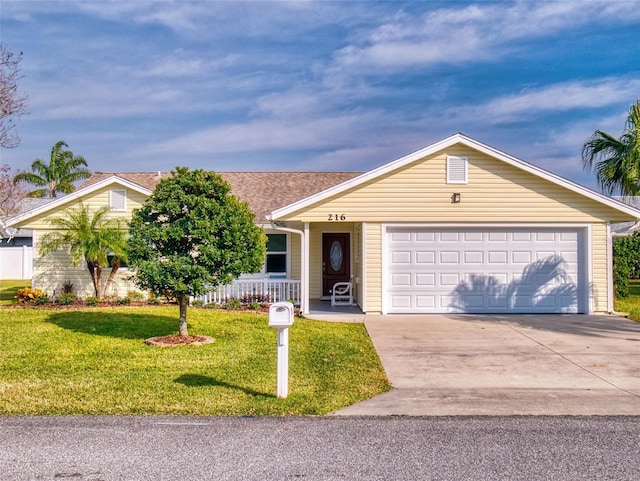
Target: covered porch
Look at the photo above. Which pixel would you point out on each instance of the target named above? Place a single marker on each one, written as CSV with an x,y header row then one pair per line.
x,y
320,310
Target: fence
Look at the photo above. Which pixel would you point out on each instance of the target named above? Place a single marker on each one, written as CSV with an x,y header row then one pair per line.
x,y
269,290
16,262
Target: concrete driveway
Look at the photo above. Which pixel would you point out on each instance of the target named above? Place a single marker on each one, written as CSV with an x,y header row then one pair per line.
x,y
506,365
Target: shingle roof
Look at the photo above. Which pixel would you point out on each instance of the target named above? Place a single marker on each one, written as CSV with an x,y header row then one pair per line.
x,y
263,191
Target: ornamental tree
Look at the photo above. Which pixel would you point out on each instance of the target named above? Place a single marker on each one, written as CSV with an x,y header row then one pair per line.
x,y
191,236
92,237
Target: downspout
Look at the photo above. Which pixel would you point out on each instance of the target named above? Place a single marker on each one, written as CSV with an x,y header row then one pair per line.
x,y
303,264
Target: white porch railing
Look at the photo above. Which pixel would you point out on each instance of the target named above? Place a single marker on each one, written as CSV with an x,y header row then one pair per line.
x,y
267,290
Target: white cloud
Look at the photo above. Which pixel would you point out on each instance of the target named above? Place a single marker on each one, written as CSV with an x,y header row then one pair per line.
x,y
553,98
474,32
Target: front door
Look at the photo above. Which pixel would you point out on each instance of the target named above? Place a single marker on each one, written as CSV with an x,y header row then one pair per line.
x,y
336,265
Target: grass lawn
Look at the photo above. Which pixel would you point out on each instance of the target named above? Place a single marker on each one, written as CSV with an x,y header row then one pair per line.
x,y
632,303
94,361
8,290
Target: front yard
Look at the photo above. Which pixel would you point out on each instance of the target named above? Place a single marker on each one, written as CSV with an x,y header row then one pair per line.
x,y
632,303
94,361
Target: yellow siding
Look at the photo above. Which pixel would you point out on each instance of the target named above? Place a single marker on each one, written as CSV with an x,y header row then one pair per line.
x,y
496,192
53,270
600,261
95,200
294,253
373,267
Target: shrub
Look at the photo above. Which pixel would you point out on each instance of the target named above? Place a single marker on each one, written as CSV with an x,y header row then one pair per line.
x,y
135,296
67,287
621,277
66,299
628,249
28,295
123,301
153,300
42,300
212,305
92,301
198,303
233,303
255,305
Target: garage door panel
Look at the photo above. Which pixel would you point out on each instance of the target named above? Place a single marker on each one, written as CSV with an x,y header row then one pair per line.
x,y
425,280
492,270
401,280
425,257
497,257
425,236
425,302
401,257
473,257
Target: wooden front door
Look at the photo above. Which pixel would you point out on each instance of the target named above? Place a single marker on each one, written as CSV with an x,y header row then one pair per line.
x,y
336,262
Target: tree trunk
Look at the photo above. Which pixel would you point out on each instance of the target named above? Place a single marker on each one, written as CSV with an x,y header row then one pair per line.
x,y
95,276
183,300
112,275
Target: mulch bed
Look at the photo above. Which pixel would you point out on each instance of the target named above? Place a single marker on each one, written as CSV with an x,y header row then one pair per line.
x,y
177,340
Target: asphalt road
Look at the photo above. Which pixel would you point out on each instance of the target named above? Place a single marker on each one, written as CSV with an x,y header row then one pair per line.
x,y
368,448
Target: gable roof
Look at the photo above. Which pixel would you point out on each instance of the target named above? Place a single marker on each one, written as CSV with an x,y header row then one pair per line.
x,y
263,191
456,139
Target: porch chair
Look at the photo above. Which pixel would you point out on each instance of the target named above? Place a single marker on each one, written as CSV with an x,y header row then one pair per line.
x,y
342,294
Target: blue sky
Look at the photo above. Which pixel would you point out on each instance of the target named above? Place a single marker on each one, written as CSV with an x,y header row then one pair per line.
x,y
317,85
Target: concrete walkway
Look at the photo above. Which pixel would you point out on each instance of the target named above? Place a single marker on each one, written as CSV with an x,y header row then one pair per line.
x,y
505,365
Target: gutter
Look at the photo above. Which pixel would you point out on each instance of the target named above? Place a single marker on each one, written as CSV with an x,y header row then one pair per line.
x,y
303,267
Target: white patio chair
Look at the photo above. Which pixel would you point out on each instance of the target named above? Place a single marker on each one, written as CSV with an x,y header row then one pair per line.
x,y
342,294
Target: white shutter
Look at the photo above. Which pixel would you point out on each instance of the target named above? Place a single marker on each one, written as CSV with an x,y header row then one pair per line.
x,y
456,170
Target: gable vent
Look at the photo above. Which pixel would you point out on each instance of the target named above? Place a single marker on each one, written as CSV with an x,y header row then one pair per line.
x,y
456,170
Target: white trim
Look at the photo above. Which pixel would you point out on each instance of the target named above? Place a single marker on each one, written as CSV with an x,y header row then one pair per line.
x,y
443,144
55,204
383,259
363,283
587,255
305,268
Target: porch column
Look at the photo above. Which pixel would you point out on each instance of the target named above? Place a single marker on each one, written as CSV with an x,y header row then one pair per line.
x,y
305,270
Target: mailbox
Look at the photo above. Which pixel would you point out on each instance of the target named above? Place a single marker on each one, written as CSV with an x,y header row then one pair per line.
x,y
281,317
281,314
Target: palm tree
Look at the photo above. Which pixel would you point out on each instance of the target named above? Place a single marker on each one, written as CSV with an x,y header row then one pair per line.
x,y
63,170
617,160
90,237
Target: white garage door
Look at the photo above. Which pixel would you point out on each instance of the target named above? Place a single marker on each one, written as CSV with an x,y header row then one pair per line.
x,y
483,271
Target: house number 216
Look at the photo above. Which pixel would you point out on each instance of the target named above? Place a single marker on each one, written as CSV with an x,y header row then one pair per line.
x,y
336,217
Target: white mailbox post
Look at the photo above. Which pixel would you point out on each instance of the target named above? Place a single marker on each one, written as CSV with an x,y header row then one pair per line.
x,y
281,317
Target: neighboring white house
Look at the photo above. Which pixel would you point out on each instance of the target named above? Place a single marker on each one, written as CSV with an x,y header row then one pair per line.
x,y
16,246
626,228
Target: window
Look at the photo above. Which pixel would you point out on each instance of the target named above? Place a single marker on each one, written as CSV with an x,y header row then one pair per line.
x,y
456,170
123,264
118,199
276,254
